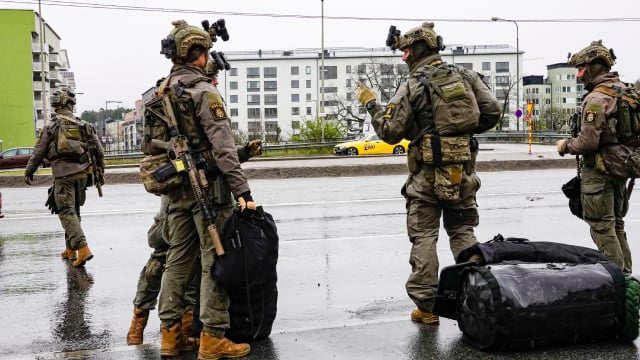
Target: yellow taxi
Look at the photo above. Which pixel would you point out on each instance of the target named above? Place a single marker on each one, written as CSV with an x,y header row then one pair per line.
x,y
369,145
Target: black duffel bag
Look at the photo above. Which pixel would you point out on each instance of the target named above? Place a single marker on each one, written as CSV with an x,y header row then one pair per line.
x,y
524,305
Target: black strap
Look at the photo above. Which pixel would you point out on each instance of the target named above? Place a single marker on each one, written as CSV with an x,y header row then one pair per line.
x,y
436,149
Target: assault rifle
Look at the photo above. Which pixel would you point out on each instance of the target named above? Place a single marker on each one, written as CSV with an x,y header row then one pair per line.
x,y
575,130
182,160
96,172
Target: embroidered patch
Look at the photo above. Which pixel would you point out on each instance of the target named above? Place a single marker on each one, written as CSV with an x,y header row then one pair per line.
x,y
218,111
590,116
388,113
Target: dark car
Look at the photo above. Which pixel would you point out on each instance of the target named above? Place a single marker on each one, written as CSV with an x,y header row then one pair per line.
x,y
17,158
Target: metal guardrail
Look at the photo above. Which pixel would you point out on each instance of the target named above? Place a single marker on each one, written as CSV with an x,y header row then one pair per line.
x,y
508,137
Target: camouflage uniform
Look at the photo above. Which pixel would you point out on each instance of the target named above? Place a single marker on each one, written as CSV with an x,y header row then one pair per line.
x,y
187,223
603,195
400,119
70,175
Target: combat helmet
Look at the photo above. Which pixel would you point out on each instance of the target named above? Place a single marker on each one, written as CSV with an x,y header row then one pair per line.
x,y
183,37
61,98
594,51
424,32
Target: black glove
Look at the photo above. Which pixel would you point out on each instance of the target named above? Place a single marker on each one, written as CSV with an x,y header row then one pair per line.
x,y
51,201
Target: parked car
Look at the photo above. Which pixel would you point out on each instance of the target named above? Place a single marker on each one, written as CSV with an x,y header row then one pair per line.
x,y
370,144
17,158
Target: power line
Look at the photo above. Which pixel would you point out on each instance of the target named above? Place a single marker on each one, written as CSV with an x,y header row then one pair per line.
x,y
90,5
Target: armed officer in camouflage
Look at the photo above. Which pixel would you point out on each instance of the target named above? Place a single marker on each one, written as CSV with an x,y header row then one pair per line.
x,y
205,123
70,144
603,194
439,108
151,275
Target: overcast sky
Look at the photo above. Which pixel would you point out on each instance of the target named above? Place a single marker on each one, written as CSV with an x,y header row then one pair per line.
x,y
115,53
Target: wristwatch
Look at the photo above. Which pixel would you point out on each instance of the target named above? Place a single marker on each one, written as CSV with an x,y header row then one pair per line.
x,y
370,105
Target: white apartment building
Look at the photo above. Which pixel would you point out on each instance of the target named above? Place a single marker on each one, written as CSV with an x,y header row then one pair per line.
x,y
554,98
270,92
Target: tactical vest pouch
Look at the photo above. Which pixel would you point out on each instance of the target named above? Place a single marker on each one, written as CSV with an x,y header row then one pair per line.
x,y
622,160
454,106
155,127
515,305
158,174
438,150
447,181
69,142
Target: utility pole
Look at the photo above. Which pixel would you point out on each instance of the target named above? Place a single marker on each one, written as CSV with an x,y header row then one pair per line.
x,y
42,72
322,72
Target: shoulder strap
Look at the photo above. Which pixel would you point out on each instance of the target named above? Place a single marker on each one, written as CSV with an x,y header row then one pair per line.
x,y
617,92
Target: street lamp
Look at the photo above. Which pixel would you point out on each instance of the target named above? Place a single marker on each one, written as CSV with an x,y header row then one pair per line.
x,y
517,66
104,122
322,73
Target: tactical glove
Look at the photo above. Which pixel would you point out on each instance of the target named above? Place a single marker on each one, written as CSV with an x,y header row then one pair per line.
x,y
51,201
246,202
560,146
28,179
253,148
365,95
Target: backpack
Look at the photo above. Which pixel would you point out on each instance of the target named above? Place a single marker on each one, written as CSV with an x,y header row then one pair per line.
x,y
624,160
156,170
453,104
628,116
71,137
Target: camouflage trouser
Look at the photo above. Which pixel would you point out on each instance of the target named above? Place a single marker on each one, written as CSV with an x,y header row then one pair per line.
x,y
70,194
423,226
604,205
189,240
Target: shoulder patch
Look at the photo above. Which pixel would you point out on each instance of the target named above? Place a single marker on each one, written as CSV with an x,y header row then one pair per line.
x,y
216,105
590,116
388,113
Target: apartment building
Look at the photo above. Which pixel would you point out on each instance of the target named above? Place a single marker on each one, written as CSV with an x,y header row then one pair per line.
x,y
269,93
555,98
36,68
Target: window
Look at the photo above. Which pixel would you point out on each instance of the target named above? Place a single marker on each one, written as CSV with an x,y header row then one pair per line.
x,y
308,110
328,90
270,85
295,97
502,67
253,85
254,126
253,72
271,99
386,69
362,69
330,103
270,72
295,124
253,99
233,99
253,113
234,124
308,84
348,68
233,112
307,70
349,83
295,111
486,65
403,69
502,80
501,93
308,97
295,84
466,65
350,96
271,126
295,70
233,72
271,113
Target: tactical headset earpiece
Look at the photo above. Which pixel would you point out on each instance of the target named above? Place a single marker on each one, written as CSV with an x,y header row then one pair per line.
x,y
440,42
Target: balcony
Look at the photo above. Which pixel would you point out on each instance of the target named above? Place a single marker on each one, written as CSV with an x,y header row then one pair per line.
x,y
55,78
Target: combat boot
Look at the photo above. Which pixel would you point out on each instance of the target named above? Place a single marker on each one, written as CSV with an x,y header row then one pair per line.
x,y
84,255
138,323
424,317
69,254
173,341
214,348
187,327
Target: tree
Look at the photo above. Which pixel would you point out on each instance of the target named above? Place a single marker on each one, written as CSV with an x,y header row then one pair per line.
x,y
504,95
311,130
384,77
94,117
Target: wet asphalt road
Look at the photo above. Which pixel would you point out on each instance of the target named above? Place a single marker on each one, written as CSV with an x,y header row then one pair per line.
x,y
342,267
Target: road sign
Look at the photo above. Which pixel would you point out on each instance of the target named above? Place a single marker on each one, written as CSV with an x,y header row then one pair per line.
x,y
518,113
